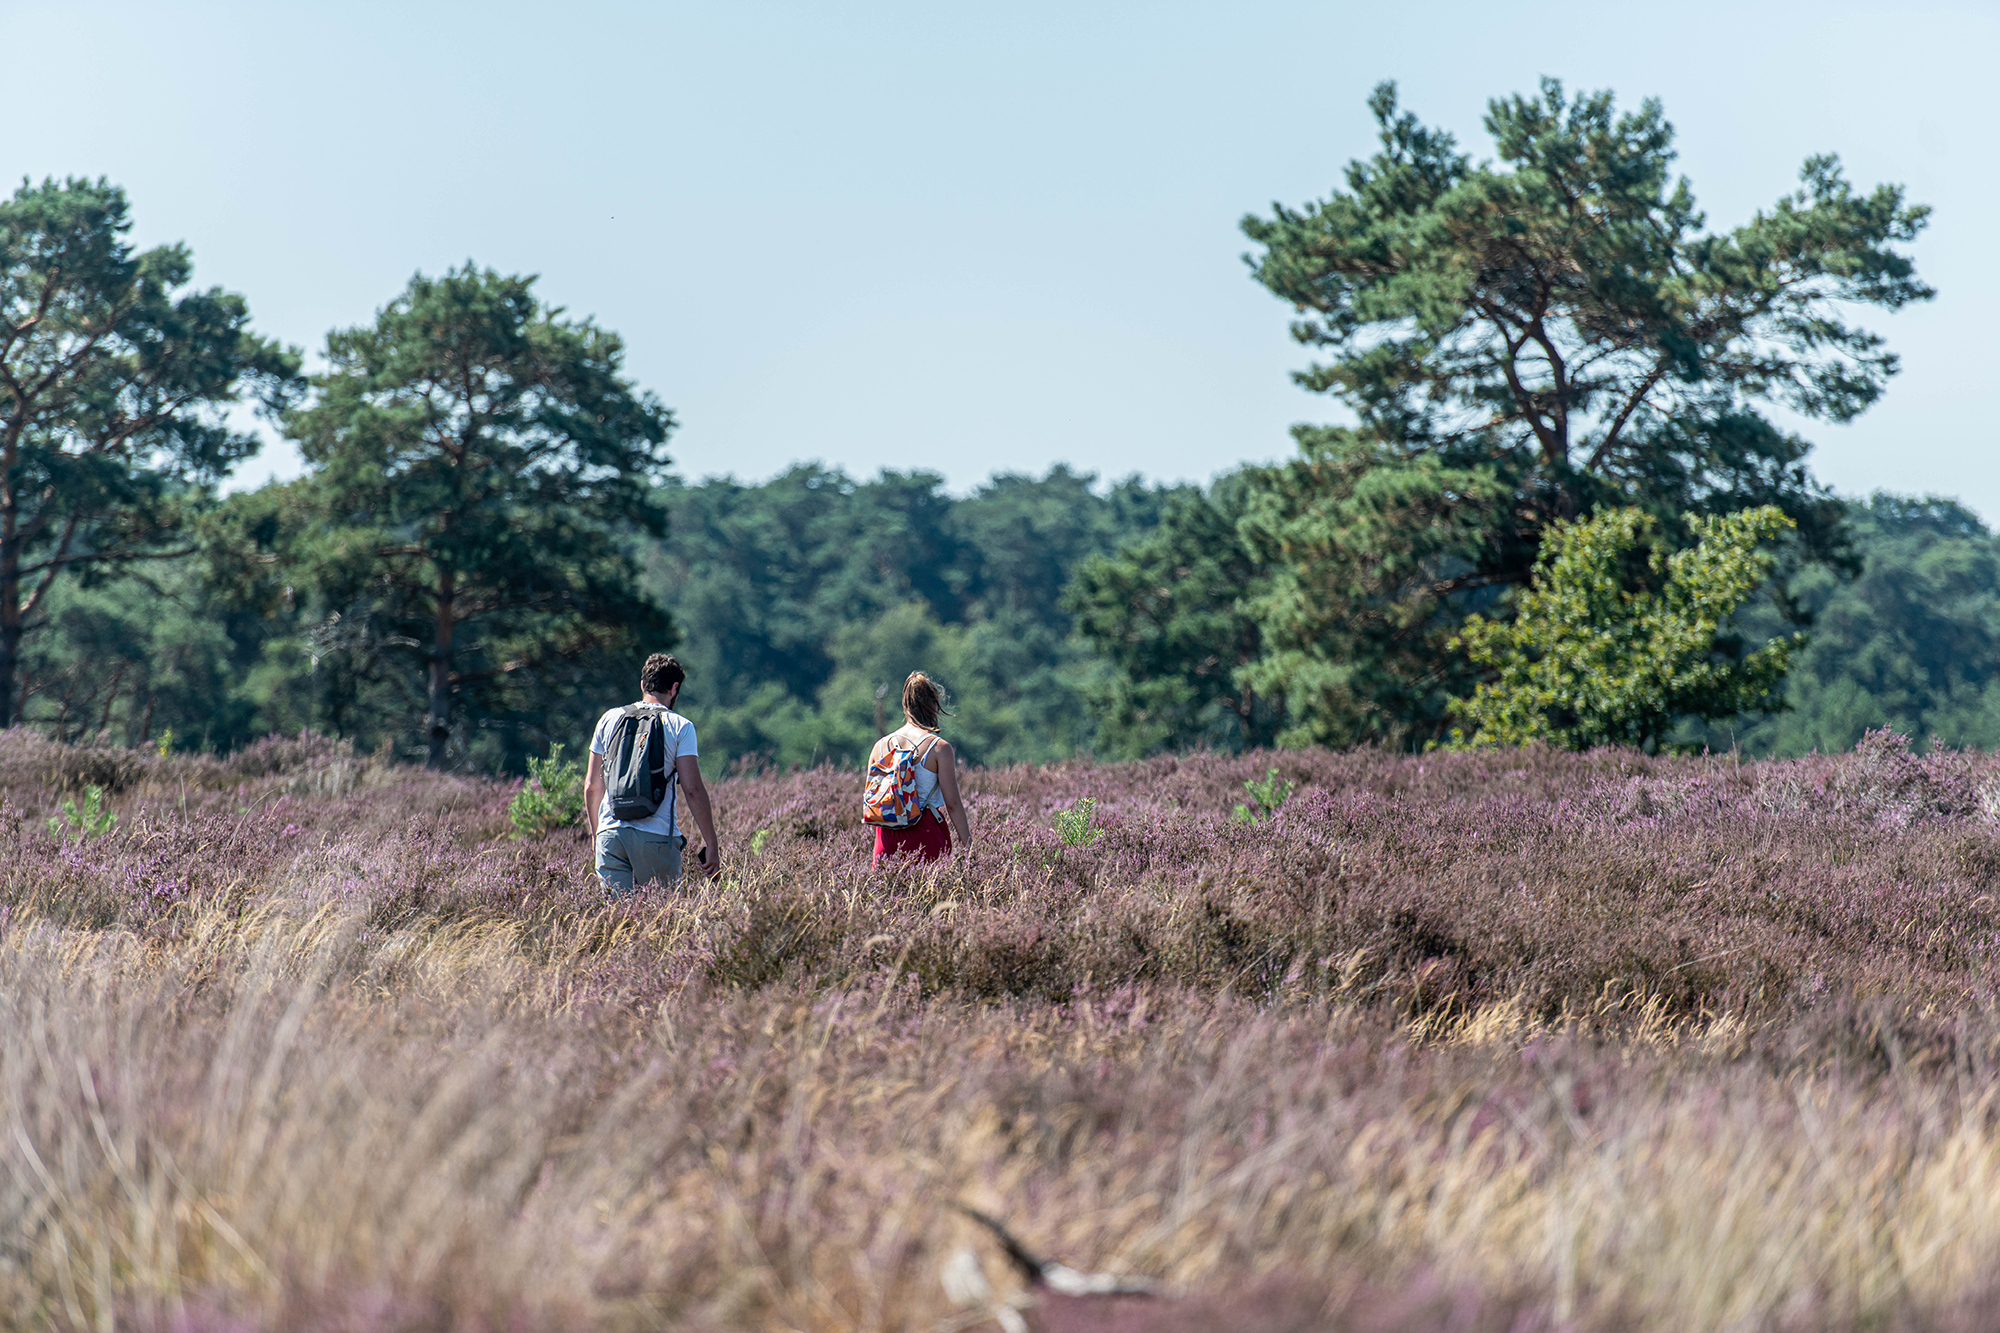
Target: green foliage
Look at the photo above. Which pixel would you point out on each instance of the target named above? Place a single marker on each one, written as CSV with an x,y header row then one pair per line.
x,y
1912,644
115,389
1618,640
1166,613
1073,825
1368,556
126,661
804,596
801,605
1266,796
1524,342
550,799
481,553
460,548
93,820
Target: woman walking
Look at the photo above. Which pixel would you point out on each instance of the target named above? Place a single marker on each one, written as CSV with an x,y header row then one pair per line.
x,y
913,781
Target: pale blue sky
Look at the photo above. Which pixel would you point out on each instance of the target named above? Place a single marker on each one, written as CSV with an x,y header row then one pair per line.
x,y
970,238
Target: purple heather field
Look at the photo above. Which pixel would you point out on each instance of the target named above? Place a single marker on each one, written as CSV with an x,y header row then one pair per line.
x,y
1467,1041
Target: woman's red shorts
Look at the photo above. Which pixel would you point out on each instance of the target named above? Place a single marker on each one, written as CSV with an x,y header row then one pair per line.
x,y
927,839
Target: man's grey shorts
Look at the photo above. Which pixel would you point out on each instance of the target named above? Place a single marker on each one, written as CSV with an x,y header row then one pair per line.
x,y
627,857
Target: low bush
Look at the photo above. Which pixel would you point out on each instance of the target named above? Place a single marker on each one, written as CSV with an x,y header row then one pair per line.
x,y
1266,797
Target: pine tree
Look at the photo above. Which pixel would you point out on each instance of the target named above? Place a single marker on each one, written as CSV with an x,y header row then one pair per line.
x,y
115,384
478,462
1530,341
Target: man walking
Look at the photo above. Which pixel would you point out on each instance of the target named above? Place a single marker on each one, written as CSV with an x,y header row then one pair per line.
x,y
648,752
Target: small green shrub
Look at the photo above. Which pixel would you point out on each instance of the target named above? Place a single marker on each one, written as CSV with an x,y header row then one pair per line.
x,y
1074,824
1621,637
550,799
1265,797
94,820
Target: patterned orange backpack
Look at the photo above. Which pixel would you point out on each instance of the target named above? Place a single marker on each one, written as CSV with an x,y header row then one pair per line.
x,y
890,798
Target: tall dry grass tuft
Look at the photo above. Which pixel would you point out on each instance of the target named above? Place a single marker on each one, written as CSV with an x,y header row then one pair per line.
x,y
274,1118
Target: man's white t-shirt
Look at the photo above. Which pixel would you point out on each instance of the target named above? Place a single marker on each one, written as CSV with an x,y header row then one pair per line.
x,y
679,739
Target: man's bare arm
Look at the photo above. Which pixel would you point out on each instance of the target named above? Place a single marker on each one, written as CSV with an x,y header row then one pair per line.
x,y
689,770
593,791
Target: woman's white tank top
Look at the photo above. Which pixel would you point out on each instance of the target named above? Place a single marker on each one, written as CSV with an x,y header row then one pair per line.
x,y
928,795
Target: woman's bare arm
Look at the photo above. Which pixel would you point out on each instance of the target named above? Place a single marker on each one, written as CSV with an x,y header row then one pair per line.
x,y
947,771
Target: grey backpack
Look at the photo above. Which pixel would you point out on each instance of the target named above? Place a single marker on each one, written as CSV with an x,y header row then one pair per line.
x,y
639,775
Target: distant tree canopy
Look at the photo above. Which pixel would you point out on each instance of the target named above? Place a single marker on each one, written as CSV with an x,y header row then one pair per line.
x,y
1912,643
1522,343
803,597
1167,613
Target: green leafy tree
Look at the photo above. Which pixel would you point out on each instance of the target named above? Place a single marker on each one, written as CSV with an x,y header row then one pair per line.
x,y
1365,558
479,465
115,384
1165,612
1619,640
808,594
1527,341
1911,644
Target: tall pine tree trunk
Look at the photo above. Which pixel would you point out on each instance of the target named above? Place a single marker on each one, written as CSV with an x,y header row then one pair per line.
x,y
440,730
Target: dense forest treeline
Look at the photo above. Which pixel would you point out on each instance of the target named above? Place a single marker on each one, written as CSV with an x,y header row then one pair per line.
x,y
796,599
792,603
804,601
1541,353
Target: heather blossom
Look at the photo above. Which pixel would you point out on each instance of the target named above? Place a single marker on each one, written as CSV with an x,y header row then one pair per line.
x,y
1503,1040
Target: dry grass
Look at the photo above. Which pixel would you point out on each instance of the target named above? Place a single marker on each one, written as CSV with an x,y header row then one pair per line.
x,y
274,1121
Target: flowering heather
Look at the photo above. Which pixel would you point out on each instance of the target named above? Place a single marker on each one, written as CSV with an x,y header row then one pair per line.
x,y
1471,1041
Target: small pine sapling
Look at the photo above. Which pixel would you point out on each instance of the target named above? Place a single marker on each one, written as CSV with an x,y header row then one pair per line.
x,y
1265,797
94,820
1074,826
550,799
